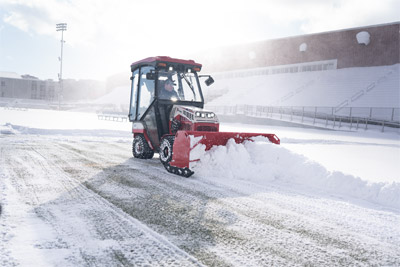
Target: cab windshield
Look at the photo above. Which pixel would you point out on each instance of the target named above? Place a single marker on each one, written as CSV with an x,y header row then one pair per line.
x,y
177,85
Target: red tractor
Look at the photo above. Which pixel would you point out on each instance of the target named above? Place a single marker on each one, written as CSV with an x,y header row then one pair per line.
x,y
166,111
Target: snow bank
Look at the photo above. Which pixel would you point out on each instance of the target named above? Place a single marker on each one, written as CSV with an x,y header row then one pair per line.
x,y
7,129
58,120
264,163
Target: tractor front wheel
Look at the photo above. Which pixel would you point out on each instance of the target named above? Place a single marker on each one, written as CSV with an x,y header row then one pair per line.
x,y
140,148
166,149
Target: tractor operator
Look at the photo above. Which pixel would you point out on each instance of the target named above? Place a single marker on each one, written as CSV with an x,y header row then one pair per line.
x,y
167,91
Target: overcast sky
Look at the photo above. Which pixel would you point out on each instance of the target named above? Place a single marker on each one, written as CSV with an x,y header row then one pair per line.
x,y
104,37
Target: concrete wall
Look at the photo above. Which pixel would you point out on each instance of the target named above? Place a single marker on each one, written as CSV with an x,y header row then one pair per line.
x,y
48,90
27,88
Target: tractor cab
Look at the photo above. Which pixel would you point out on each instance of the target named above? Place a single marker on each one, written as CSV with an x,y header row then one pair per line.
x,y
159,83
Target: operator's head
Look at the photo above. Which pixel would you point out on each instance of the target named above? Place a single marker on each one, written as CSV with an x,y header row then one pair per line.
x,y
169,84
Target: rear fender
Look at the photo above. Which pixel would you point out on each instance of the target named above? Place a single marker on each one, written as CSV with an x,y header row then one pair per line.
x,y
139,128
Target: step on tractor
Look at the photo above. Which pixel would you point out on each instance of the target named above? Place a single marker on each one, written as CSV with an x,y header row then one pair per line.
x,y
167,115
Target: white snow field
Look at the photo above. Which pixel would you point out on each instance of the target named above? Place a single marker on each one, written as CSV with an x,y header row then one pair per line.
x,y
71,194
350,87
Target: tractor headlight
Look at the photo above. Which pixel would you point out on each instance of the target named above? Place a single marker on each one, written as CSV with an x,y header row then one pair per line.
x,y
210,115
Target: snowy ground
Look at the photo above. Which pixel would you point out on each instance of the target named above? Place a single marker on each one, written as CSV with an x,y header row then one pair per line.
x,y
71,194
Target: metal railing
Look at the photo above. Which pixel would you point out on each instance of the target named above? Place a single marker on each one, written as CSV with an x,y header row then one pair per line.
x,y
354,117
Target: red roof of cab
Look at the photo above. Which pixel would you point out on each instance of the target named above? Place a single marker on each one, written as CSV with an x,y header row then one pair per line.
x,y
167,59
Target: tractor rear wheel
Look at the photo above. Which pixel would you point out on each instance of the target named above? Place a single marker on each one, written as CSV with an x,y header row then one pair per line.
x,y
140,148
165,151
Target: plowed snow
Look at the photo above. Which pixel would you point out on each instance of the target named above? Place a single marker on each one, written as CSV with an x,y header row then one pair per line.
x,y
77,197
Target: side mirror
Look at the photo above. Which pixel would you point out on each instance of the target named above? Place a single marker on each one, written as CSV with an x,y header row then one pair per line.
x,y
150,76
209,81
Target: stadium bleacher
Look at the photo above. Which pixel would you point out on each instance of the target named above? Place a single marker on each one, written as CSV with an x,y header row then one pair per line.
x,y
360,87
365,92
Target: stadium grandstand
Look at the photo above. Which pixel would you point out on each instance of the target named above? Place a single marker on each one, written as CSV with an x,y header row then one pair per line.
x,y
348,75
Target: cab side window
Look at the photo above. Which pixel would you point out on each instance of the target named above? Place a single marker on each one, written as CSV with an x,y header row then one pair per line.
x,y
146,90
134,90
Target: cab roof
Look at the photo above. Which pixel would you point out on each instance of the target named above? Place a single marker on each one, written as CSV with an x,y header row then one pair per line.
x,y
164,59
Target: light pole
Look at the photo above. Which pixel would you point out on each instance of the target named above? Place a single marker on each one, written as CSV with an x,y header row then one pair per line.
x,y
61,27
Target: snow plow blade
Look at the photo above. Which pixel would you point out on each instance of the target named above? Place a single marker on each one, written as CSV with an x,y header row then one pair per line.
x,y
186,141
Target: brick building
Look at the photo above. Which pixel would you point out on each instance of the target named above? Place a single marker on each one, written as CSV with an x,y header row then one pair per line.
x,y
376,45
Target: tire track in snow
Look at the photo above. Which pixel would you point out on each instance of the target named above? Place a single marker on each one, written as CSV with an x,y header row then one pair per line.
x,y
290,231
108,235
329,221
263,211
224,222
5,226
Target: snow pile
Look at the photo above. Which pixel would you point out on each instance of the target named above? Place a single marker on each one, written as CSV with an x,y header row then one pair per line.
x,y
7,129
264,163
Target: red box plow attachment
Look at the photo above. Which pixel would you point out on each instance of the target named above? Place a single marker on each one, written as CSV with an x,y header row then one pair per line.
x,y
186,141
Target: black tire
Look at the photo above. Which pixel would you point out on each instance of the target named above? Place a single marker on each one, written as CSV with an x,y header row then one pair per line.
x,y
141,149
165,149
